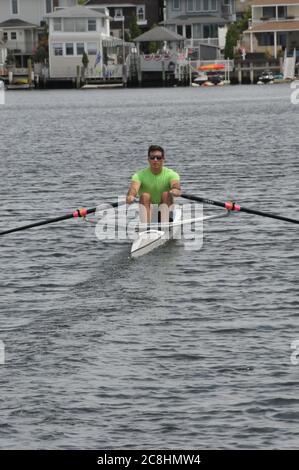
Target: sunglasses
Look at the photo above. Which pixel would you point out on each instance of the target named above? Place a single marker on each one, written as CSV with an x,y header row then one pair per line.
x,y
155,158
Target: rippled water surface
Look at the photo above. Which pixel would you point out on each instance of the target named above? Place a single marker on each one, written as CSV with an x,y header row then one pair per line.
x,y
180,348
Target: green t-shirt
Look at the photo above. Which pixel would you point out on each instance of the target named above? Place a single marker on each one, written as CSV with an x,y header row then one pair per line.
x,y
153,184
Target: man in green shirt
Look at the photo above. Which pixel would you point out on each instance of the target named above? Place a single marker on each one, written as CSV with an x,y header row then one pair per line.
x,y
155,184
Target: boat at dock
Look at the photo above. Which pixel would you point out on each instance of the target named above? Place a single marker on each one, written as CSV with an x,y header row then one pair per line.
x,y
266,77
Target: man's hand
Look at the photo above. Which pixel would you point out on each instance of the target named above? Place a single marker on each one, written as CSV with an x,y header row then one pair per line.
x,y
133,191
130,199
175,192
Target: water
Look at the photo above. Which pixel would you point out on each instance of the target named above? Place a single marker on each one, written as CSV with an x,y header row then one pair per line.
x,y
178,349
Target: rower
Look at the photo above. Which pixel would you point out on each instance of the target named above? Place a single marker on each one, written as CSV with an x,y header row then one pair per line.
x,y
155,184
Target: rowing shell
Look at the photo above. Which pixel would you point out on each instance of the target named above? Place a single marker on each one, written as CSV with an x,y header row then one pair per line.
x,y
151,238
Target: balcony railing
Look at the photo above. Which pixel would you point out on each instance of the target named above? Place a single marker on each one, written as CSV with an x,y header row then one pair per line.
x,y
198,42
18,47
263,19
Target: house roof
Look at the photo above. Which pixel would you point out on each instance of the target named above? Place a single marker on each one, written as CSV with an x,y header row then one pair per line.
x,y
15,23
159,33
267,3
76,12
271,26
185,19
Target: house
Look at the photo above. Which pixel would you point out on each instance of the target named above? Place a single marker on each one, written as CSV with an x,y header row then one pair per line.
x,y
3,55
67,3
242,6
147,12
274,27
75,30
169,64
199,20
21,23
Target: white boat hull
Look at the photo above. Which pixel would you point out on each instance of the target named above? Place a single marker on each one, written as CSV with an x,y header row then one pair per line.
x,y
150,239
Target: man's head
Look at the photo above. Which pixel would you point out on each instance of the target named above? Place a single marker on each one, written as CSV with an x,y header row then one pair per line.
x,y
156,158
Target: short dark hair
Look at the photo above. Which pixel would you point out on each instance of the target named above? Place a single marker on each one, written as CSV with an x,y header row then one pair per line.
x,y
153,148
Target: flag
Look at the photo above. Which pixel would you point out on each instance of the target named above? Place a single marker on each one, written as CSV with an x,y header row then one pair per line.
x,y
98,59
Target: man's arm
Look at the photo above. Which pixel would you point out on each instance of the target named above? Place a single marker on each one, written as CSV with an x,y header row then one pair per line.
x,y
175,188
133,191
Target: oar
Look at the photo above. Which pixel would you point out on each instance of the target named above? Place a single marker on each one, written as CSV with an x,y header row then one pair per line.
x,y
77,213
231,206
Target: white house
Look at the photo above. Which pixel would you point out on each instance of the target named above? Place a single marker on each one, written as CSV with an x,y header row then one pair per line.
x,y
73,31
20,24
3,54
31,11
199,20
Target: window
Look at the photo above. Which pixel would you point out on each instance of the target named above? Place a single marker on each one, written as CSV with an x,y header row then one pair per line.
x,y
190,5
140,14
69,48
206,6
13,35
15,7
118,12
188,31
197,31
68,25
80,48
265,39
74,24
213,5
58,49
92,48
198,5
179,29
57,24
210,30
176,4
202,5
5,36
269,12
81,25
48,6
92,24
282,11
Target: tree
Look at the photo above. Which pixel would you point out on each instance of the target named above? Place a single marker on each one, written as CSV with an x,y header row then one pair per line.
x,y
134,28
10,59
85,60
234,33
153,47
232,37
41,53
